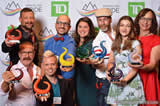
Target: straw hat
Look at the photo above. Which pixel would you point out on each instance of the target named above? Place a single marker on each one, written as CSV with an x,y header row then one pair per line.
x,y
103,12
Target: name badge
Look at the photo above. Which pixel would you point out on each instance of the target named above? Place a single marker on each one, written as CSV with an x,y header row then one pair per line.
x,y
57,100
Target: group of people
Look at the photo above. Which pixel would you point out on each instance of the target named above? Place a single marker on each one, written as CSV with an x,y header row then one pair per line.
x,y
87,82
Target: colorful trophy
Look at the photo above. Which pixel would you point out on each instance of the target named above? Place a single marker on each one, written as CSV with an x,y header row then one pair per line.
x,y
17,77
14,38
41,92
115,74
133,59
66,63
103,52
84,51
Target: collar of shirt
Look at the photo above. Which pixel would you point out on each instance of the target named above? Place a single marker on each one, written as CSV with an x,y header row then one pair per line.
x,y
112,33
20,65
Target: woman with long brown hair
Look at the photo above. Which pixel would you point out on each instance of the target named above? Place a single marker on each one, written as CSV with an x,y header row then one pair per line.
x,y
146,29
128,89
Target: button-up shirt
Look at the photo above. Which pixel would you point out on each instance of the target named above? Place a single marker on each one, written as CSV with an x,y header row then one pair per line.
x,y
24,93
56,48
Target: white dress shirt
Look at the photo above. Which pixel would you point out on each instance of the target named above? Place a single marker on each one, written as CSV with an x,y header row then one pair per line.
x,y
24,93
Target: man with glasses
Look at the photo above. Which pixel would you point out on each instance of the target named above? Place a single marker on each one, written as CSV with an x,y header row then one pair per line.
x,y
104,21
20,93
55,44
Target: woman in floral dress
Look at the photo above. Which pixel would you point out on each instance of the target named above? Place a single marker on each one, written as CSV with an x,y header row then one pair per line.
x,y
129,90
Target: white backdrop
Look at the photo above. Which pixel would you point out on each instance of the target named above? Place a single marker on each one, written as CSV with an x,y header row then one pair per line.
x,y
46,12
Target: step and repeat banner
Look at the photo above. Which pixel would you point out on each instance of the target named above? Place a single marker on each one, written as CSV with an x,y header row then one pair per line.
x,y
46,12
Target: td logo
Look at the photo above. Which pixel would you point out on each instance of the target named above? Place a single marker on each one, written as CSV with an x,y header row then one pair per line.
x,y
59,8
134,8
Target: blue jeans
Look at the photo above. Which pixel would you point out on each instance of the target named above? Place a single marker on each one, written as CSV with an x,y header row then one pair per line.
x,y
102,91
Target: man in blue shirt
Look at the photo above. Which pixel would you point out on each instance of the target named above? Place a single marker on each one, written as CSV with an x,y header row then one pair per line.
x,y
55,44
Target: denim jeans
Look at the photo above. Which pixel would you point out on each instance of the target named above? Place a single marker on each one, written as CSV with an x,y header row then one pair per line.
x,y
102,91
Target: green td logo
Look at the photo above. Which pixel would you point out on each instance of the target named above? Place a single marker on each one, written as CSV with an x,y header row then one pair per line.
x,y
134,8
59,8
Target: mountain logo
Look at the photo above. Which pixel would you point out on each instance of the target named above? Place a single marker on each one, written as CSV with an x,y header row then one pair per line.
x,y
12,9
158,12
6,61
89,9
45,34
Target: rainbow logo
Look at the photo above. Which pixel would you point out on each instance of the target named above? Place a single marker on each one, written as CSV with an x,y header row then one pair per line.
x,y
5,62
90,13
42,39
13,12
158,14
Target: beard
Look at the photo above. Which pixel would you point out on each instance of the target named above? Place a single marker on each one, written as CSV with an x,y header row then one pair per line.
x,y
28,28
105,29
61,33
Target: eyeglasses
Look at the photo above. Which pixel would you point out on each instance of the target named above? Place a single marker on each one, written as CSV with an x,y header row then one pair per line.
x,y
27,53
63,23
146,19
